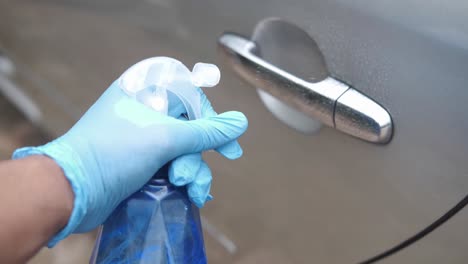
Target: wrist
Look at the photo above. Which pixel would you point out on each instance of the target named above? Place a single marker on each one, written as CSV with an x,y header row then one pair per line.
x,y
62,156
61,196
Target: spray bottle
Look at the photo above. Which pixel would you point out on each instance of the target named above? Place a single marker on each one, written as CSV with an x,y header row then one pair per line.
x,y
158,224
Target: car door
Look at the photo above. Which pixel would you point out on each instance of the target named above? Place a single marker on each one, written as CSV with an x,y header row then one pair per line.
x,y
316,196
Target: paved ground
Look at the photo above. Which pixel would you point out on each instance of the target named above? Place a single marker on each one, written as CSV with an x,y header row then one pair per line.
x,y
15,130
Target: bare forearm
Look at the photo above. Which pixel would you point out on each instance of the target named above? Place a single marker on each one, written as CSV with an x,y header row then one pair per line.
x,y
36,201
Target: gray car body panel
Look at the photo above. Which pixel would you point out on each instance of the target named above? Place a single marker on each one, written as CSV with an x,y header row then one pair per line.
x,y
324,198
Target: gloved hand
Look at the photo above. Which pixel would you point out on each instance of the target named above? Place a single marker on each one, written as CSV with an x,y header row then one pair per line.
x,y
190,169
119,144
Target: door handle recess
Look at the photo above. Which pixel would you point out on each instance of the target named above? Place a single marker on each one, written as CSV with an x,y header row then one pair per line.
x,y
329,101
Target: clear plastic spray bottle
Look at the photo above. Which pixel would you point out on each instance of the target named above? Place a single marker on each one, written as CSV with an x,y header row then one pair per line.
x,y
158,224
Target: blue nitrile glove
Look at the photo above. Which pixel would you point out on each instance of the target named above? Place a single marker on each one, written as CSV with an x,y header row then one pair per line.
x,y
119,144
181,171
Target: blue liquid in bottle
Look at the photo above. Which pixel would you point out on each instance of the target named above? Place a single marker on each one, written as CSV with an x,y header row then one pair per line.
x,y
157,224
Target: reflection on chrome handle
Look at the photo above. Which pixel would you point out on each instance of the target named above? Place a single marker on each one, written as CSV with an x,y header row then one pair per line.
x,y
356,114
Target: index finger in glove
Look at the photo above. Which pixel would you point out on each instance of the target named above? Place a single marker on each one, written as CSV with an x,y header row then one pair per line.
x,y
184,168
231,150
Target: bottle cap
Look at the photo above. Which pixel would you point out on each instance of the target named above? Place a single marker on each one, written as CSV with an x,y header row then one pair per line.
x,y
149,81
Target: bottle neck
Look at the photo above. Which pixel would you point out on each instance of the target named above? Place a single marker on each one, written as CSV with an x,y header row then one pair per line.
x,y
162,173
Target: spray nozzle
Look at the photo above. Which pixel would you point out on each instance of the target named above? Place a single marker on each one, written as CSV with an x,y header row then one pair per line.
x,y
149,81
205,75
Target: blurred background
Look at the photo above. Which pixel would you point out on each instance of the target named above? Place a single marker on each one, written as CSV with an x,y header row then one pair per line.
x,y
302,192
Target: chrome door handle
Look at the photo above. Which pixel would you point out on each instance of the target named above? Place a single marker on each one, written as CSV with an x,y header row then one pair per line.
x,y
330,101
